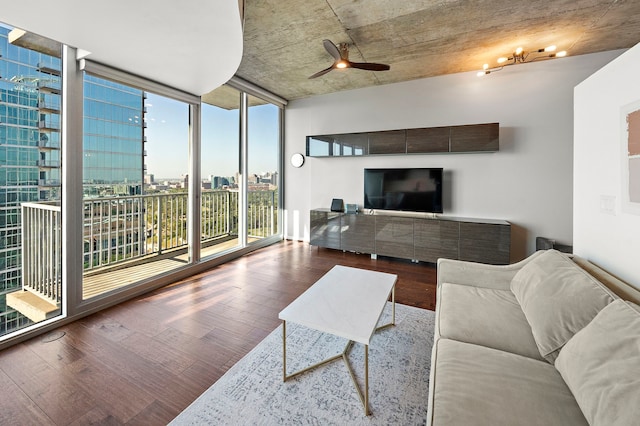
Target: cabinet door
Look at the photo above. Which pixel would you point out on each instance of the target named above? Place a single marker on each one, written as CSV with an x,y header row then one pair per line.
x,y
435,239
358,232
389,142
351,144
485,242
394,236
475,138
325,229
320,146
430,139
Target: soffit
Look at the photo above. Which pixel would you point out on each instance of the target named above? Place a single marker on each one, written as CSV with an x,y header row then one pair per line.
x,y
193,46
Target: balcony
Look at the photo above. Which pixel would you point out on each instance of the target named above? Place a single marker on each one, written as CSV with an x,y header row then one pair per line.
x,y
129,239
51,86
49,125
47,144
41,293
49,68
48,164
49,107
48,182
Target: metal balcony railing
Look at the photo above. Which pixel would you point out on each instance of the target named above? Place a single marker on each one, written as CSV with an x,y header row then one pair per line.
x,y
118,229
41,250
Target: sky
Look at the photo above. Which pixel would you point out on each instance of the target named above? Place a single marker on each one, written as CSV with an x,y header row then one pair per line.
x,y
167,139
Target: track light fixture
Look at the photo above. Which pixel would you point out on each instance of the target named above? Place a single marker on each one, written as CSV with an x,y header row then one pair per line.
x,y
520,56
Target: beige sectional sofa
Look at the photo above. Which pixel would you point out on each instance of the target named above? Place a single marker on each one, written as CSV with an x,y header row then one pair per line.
x,y
551,340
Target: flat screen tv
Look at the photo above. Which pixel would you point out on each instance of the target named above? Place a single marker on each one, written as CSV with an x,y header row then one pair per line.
x,y
416,190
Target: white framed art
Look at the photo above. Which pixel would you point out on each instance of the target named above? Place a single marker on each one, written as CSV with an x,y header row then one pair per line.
x,y
630,150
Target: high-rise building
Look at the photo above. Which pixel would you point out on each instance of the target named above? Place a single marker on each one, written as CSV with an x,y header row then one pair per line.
x,y
29,153
30,146
113,162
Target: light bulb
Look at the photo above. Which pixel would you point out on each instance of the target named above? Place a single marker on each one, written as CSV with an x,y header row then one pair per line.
x,y
501,60
561,54
518,50
481,73
341,65
551,48
485,66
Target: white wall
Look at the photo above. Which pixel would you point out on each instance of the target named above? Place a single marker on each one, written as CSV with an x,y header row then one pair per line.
x,y
607,237
528,182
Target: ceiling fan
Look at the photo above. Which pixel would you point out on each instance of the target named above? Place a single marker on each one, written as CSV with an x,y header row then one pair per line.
x,y
341,55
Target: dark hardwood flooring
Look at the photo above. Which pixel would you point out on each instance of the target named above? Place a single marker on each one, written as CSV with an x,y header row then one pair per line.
x,y
145,360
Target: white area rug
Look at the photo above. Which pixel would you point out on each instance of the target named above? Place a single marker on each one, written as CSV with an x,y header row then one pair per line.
x,y
252,391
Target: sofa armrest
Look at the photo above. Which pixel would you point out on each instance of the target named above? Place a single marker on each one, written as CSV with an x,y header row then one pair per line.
x,y
479,274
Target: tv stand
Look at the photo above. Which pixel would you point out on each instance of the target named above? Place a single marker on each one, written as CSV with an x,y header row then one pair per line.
x,y
415,238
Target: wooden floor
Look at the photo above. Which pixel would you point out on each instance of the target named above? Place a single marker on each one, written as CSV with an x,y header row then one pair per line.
x,y
145,360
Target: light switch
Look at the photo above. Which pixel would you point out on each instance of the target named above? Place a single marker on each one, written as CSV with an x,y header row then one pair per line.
x,y
608,204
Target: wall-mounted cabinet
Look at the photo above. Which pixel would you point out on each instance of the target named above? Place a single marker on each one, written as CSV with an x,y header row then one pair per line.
x,y
416,238
427,140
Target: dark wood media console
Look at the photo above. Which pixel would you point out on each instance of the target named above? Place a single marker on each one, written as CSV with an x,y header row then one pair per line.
x,y
415,238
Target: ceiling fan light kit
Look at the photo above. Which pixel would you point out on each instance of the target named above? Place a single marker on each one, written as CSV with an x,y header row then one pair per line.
x,y
340,54
520,56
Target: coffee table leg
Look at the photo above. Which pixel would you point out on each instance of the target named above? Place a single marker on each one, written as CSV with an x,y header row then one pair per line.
x,y
364,395
284,351
286,376
366,380
393,310
393,305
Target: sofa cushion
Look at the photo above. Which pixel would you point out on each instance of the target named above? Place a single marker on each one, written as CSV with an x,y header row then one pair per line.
x,y
558,299
475,385
486,317
601,366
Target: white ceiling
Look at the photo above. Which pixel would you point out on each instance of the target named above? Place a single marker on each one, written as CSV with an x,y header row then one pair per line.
x,y
194,46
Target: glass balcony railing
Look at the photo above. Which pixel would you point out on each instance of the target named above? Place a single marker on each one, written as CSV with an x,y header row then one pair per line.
x,y
48,182
47,163
49,124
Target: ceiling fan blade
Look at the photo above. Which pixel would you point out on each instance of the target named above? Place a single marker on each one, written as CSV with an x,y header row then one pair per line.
x,y
323,72
332,49
370,66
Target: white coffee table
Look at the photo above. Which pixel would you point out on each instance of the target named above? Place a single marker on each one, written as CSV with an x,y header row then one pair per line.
x,y
346,302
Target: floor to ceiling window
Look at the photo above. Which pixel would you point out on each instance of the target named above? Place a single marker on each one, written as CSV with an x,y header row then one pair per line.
x,y
30,189
219,165
135,185
227,223
159,183
263,148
